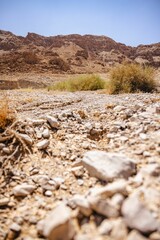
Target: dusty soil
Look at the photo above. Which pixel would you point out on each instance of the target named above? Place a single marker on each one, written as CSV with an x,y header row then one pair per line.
x,y
126,124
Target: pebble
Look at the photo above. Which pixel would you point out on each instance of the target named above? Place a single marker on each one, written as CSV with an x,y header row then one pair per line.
x,y
82,203
119,230
4,202
78,171
43,144
53,122
48,193
105,227
15,227
103,207
46,133
6,150
23,190
26,138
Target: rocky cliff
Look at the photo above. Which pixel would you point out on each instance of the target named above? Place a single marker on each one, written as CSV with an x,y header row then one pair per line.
x,y
70,53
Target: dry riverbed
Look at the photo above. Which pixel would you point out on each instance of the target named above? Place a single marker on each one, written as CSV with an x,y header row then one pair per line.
x,y
82,166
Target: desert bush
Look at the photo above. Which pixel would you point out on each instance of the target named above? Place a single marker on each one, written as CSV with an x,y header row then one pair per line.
x,y
30,57
81,83
7,115
131,78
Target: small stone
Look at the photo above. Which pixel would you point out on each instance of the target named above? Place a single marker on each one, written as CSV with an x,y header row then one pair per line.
x,y
19,220
6,150
53,122
23,190
103,207
40,179
4,202
83,205
138,216
143,136
26,138
59,224
135,235
64,187
80,182
152,169
110,189
15,227
119,230
105,227
46,133
108,166
146,154
58,181
2,145
43,144
118,108
117,200
34,171
37,121
78,171
48,193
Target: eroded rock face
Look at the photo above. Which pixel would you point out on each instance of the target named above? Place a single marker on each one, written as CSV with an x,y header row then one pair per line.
x,y
108,166
69,53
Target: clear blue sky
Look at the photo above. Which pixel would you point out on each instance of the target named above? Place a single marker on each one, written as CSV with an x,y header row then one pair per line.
x,y
131,22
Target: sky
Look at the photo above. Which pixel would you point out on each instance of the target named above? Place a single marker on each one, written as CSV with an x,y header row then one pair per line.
x,y
131,22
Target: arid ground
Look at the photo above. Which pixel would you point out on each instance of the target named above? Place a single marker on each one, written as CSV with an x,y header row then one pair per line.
x,y
82,165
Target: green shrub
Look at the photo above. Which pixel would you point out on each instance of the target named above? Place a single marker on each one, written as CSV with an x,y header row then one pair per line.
x,y
81,83
131,78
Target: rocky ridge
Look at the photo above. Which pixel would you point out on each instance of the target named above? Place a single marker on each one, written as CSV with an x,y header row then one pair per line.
x,y
81,166
69,53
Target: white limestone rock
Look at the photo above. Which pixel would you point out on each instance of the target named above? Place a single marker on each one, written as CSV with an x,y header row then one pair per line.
x,y
23,190
138,216
53,122
59,224
108,166
43,144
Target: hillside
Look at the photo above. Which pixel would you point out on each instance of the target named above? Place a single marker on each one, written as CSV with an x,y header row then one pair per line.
x,y
70,53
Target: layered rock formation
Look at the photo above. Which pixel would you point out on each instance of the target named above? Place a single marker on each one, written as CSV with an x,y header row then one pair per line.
x,y
70,53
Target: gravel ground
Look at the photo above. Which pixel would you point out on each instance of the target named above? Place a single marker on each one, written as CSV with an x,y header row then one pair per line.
x,y
83,165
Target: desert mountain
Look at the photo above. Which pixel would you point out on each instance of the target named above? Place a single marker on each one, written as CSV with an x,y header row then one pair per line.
x,y
70,53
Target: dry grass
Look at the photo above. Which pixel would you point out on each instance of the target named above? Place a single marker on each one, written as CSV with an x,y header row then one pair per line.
x,y
88,82
131,78
7,115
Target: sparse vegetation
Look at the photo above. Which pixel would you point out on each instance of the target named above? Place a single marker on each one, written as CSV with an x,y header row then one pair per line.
x,y
131,78
7,116
82,83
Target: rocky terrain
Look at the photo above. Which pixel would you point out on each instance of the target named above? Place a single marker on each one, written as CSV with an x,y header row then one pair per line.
x,y
81,166
71,53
